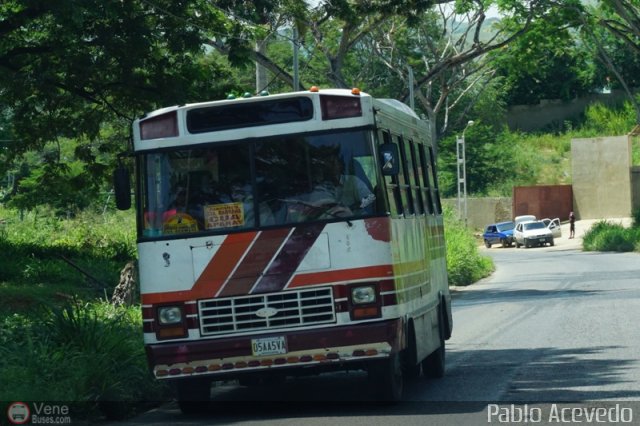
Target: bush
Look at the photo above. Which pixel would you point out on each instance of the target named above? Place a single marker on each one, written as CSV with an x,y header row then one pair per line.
x,y
91,353
607,236
465,264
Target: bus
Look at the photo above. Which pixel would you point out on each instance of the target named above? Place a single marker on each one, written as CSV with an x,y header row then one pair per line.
x,y
288,234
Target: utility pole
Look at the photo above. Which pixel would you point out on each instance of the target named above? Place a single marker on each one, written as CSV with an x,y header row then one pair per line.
x,y
462,174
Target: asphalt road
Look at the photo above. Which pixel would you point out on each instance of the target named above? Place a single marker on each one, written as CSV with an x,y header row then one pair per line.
x,y
551,327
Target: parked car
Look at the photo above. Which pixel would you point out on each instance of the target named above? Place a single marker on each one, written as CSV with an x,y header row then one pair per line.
x,y
499,233
532,233
524,218
554,226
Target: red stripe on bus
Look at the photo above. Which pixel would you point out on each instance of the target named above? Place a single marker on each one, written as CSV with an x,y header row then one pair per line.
x,y
255,262
289,258
214,274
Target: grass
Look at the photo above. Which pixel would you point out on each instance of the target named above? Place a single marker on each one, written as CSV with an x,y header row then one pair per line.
x,y
60,338
609,236
465,264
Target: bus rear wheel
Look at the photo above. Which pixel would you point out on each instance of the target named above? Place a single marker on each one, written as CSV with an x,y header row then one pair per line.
x,y
387,378
434,365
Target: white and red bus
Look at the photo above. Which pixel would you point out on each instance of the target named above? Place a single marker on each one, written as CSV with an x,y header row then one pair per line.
x,y
290,233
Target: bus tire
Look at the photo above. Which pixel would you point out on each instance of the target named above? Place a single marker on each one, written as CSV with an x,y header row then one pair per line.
x,y
193,396
411,367
387,378
433,365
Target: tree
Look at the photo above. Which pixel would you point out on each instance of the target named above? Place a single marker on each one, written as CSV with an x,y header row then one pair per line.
x,y
621,18
70,67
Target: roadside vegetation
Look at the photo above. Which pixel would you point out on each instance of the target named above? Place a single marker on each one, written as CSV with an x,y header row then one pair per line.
x,y
60,337
611,236
465,263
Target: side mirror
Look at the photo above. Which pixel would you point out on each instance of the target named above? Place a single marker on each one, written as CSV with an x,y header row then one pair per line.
x,y
389,157
122,187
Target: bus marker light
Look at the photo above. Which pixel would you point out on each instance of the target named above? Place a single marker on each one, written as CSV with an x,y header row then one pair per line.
x,y
201,369
188,370
355,91
319,357
266,362
227,366
215,367
162,373
334,107
314,89
254,363
171,332
358,352
293,360
371,352
333,355
306,358
241,364
162,126
368,312
175,371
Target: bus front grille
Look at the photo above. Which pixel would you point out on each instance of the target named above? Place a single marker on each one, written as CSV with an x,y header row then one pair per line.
x,y
266,311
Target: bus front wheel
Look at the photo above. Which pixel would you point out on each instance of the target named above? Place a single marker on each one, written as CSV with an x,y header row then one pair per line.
x,y
193,396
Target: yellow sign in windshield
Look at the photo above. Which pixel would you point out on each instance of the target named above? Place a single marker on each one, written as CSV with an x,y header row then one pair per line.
x,y
223,215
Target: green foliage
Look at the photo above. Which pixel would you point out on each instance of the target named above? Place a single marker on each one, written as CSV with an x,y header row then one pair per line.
x,y
82,352
604,120
545,62
607,236
47,251
465,264
59,339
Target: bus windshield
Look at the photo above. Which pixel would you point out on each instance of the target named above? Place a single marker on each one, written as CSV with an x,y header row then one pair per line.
x,y
285,179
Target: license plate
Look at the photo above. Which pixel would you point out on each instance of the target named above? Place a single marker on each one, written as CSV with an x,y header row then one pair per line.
x,y
269,346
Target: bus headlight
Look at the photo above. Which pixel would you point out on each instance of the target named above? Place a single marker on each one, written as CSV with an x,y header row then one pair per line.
x,y
363,295
169,315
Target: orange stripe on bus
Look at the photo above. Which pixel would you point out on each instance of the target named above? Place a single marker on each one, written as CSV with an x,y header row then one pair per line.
x,y
214,274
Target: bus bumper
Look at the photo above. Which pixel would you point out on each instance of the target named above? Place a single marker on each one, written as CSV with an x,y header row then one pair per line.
x,y
319,347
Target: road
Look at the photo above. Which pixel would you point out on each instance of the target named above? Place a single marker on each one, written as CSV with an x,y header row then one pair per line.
x,y
552,325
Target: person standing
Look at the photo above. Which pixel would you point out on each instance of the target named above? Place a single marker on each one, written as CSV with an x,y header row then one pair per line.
x,y
572,225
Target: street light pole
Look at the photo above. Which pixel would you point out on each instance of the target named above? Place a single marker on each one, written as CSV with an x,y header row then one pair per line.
x,y
462,173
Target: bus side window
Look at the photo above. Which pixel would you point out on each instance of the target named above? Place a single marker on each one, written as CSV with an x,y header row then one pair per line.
x,y
405,175
392,184
436,190
415,176
424,172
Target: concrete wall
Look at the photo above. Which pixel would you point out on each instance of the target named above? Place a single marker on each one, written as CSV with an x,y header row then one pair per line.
x,y
601,177
553,113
